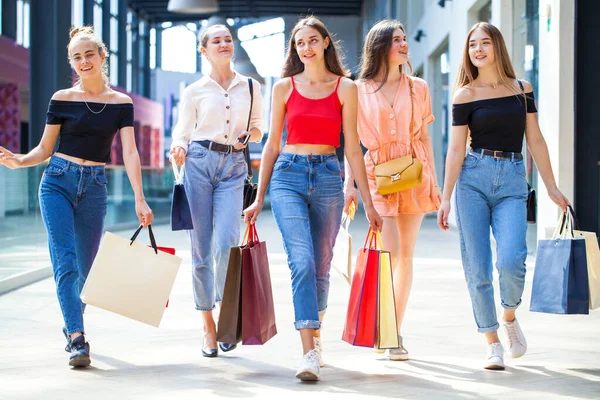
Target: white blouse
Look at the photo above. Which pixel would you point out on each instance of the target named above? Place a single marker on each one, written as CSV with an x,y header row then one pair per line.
x,y
209,112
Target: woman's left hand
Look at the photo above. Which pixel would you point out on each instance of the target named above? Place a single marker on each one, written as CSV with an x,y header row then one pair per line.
x,y
374,219
558,198
143,212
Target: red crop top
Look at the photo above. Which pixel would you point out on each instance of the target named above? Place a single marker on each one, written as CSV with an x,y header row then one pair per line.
x,y
314,121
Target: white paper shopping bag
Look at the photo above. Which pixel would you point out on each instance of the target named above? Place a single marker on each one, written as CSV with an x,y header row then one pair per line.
x,y
131,279
342,250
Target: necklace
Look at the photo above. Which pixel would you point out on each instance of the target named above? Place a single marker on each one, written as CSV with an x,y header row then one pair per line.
x,y
92,111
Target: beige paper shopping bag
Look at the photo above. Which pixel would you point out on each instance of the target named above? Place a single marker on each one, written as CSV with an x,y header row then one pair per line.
x,y
131,279
593,265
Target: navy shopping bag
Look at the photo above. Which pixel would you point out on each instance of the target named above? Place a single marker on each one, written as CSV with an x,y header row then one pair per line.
x,y
181,216
560,281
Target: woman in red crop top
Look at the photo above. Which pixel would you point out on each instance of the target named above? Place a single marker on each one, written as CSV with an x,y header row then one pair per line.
x,y
491,185
73,193
305,182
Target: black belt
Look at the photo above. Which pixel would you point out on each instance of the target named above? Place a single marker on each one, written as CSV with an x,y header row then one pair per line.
x,y
499,154
221,148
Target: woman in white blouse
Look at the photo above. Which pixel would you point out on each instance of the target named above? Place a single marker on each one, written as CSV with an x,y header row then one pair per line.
x,y
209,137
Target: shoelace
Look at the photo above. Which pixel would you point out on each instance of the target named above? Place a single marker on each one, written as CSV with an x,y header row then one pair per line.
x,y
512,333
496,350
79,345
312,356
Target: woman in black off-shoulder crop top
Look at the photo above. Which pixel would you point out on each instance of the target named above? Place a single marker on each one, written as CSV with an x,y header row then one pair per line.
x,y
73,194
491,189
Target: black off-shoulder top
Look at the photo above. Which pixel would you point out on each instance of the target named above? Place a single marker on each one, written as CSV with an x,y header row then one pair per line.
x,y
496,123
85,134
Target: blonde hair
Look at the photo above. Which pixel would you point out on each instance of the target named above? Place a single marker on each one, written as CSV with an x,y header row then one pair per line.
x,y
467,72
87,33
204,36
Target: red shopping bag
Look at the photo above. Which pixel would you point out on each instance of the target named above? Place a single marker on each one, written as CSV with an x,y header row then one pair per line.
x,y
258,311
361,317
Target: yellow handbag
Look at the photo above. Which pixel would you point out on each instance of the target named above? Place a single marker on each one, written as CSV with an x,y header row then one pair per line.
x,y
400,173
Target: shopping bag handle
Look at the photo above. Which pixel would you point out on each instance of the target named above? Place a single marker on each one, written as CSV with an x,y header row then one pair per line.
x,y
177,172
374,239
150,233
250,236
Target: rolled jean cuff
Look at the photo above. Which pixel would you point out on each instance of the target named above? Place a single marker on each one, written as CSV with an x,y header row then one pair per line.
x,y
507,307
492,328
204,308
76,329
307,324
322,312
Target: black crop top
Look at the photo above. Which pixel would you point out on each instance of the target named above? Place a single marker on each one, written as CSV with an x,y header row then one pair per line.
x,y
84,134
496,123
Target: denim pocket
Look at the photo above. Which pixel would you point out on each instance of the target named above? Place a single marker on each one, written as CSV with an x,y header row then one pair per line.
x,y
53,170
197,151
520,168
101,179
333,166
282,165
470,161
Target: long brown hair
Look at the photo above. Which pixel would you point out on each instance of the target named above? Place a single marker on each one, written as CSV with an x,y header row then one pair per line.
x,y
87,33
376,51
467,72
333,59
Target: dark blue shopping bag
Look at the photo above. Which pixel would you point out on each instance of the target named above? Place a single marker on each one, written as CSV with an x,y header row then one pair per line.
x,y
181,216
560,280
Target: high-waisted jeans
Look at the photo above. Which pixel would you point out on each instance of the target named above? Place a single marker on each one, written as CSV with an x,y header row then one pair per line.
x,y
73,206
214,185
307,202
492,192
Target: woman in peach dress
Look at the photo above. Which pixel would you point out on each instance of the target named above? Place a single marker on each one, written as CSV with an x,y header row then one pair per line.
x,y
388,97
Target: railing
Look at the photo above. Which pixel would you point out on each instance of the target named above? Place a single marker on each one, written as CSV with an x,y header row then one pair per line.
x,y
23,240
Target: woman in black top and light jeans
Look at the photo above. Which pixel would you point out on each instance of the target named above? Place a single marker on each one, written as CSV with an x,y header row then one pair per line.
x,y
73,192
491,188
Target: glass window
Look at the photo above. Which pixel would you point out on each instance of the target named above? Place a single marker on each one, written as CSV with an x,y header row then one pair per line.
x,y
20,22
180,55
114,69
98,19
114,34
129,77
77,13
152,48
0,17
114,7
26,20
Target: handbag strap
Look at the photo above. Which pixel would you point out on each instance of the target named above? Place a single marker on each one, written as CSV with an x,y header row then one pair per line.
x,y
177,172
412,114
247,150
150,233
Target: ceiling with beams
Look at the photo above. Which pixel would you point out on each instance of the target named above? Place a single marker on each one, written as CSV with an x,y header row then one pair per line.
x,y
155,11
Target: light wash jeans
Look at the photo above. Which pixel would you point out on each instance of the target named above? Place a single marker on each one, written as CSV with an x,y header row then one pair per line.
x,y
492,192
214,185
73,206
307,202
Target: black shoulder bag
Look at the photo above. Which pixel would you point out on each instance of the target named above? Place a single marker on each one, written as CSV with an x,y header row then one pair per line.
x,y
250,188
531,198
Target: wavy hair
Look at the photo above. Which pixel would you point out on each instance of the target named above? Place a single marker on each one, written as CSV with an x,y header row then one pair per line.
x,y
87,33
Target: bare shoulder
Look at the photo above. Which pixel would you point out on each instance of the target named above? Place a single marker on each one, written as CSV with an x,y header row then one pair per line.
x,y
64,95
282,88
347,87
462,95
527,86
122,98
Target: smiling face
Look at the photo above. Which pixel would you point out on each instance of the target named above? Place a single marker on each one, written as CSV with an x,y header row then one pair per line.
x,y
86,58
310,45
481,49
399,50
219,46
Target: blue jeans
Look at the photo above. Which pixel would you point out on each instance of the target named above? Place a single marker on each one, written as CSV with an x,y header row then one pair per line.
x,y
307,202
73,206
492,192
214,185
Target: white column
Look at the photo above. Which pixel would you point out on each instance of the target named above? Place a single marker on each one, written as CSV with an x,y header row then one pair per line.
x,y
556,101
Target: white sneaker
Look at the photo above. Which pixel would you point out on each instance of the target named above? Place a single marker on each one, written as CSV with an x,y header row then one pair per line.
x,y
495,357
309,367
515,340
319,350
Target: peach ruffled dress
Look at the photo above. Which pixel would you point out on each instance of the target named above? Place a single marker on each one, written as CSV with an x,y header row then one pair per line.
x,y
384,130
